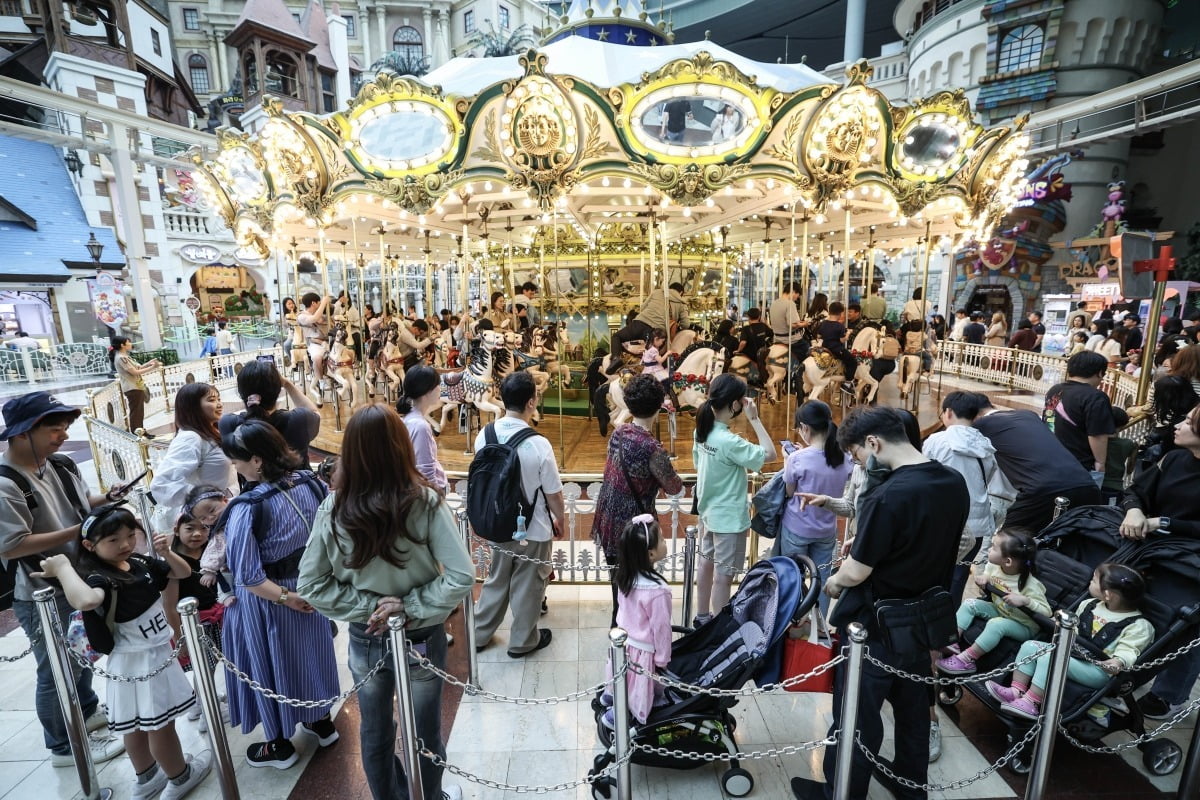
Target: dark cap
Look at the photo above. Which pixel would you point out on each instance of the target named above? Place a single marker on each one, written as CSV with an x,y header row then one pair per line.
x,y
976,315
22,413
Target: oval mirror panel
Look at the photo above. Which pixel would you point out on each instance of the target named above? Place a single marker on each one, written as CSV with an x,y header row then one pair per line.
x,y
930,144
403,136
697,120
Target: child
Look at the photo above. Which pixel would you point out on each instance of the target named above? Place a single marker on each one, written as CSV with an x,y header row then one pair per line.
x,y
1109,618
652,364
1078,343
205,504
109,571
644,611
1010,566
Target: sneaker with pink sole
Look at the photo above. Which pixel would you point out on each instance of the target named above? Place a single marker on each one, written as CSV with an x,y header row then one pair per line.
x,y
956,665
1023,706
1005,694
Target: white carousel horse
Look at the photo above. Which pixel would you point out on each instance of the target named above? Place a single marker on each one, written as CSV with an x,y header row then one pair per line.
x,y
510,358
684,339
820,372
443,343
391,361
703,360
911,368
341,366
476,385
778,361
554,338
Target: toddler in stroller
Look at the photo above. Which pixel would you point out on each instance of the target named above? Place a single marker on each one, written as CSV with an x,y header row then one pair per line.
x,y
741,643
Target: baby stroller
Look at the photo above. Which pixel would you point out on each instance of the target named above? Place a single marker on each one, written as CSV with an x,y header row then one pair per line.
x,y
741,643
1069,551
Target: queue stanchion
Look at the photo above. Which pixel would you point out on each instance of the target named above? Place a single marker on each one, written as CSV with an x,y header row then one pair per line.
x,y
408,721
210,705
1067,624
68,697
689,571
617,638
1189,781
464,528
1061,504
848,725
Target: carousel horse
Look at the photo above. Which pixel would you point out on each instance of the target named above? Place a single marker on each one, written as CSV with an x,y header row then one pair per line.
x,y
341,365
911,367
821,368
515,355
684,338
778,360
554,338
443,343
697,366
476,385
391,361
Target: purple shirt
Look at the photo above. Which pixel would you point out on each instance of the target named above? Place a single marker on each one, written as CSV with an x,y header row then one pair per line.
x,y
806,468
420,432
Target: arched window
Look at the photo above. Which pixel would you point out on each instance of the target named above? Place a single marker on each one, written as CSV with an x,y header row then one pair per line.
x,y
282,76
1020,48
198,71
407,42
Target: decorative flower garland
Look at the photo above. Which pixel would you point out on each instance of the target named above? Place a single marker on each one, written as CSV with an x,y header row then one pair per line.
x,y
679,382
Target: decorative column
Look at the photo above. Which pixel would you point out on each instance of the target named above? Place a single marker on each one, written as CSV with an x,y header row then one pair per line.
x,y
427,16
856,21
381,29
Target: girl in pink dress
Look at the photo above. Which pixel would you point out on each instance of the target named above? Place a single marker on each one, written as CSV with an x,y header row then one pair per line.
x,y
644,611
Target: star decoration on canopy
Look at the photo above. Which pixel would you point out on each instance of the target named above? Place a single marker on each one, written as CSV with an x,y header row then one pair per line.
x,y
602,35
630,37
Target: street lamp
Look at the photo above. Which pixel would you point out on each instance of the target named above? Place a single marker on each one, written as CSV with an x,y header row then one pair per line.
x,y
95,248
74,163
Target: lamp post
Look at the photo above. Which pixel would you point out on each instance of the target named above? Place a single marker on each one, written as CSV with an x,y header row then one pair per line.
x,y
94,248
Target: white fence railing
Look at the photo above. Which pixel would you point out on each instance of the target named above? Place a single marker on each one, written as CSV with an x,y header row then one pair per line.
x,y
60,362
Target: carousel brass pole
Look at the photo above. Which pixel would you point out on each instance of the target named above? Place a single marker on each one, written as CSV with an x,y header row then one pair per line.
x,y
562,445
821,263
846,258
345,283
465,259
725,281
925,270
804,271
382,277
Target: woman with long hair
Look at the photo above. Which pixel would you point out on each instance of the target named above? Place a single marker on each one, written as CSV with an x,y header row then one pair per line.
x,y
419,395
132,386
997,332
498,314
272,633
259,384
817,311
384,543
723,459
194,457
1174,396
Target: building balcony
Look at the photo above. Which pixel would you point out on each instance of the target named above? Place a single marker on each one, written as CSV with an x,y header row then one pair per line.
x,y
194,225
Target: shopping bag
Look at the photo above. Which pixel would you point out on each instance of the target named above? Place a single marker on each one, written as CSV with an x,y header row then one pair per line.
x,y
803,654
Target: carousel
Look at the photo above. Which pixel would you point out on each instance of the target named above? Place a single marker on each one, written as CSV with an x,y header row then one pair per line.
x,y
601,172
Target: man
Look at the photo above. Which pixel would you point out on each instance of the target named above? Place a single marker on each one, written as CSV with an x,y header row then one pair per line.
x,y
47,523
1192,329
786,323
444,319
832,333
345,313
525,306
1081,415
974,331
1080,311
314,325
511,580
908,532
410,346
675,120
23,341
753,339
1133,339
1035,319
874,308
855,322
961,320
667,312
1030,456
917,308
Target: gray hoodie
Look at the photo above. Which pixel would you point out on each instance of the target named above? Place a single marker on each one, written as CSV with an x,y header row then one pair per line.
x,y
971,454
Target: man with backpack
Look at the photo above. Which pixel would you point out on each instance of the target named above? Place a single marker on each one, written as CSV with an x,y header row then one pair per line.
x,y
521,518
43,502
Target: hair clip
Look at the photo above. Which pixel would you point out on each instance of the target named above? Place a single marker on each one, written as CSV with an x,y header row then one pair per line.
x,y
254,400
187,509
644,519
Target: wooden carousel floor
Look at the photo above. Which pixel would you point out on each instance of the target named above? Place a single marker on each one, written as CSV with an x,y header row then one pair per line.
x,y
582,449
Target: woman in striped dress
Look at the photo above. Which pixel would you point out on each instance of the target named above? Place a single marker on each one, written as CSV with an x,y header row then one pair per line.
x,y
271,633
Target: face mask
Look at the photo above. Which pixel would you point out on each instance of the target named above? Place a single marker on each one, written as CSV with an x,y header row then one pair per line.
x,y
876,473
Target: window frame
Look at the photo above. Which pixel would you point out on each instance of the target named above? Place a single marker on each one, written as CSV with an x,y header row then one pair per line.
x,y
1019,49
156,41
505,15
469,21
198,63
351,26
411,45
194,13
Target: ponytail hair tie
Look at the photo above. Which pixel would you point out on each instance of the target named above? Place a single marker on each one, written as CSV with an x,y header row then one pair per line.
x,y
645,520
253,400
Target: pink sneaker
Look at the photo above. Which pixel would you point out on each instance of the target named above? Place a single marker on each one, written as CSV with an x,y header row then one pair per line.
x,y
954,649
956,665
1023,706
1005,694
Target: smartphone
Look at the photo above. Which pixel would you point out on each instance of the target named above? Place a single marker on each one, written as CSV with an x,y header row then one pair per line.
x,y
268,357
788,447
125,487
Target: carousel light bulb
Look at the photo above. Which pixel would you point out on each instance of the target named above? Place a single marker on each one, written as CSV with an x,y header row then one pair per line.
x,y
487,186
604,181
687,211
627,183
709,202
819,219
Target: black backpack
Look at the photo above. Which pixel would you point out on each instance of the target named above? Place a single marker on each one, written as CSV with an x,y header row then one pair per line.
x,y
8,575
494,494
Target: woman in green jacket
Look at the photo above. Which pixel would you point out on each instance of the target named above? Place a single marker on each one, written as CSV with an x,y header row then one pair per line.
x,y
385,543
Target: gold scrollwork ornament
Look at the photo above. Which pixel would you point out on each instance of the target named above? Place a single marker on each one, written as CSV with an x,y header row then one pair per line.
x,y
689,184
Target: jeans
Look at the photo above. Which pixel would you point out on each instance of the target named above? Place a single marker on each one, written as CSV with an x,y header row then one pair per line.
x,y
49,711
819,550
1174,684
377,726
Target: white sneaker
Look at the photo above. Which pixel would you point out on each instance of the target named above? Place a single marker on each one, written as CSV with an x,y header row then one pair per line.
x,y
201,765
935,741
98,721
151,788
103,747
452,792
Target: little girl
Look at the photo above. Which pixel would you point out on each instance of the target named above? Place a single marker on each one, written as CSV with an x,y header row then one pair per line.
x,y
652,364
1078,344
1010,567
1109,618
644,611
205,504
111,571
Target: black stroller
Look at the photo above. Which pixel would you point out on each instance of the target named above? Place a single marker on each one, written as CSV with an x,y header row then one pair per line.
x,y
741,643
1070,549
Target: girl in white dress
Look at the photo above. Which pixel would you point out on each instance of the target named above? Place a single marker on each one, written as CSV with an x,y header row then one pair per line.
x,y
110,572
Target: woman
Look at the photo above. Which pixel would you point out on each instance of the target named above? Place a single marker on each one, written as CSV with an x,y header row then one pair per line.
x,y
224,339
1113,347
1024,338
194,457
271,632
724,337
937,325
817,311
1174,396
132,385
636,469
997,332
420,394
724,125
259,385
501,319
384,543
1100,329
1079,322
723,460
887,350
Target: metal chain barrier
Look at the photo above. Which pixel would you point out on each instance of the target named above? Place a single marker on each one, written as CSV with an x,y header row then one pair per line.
x,y
517,788
931,680
1083,655
37,634
112,676
1179,717
555,565
978,776
476,691
279,698
769,688
719,563
787,750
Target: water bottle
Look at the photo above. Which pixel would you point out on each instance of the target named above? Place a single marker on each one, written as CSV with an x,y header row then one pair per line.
x,y
521,533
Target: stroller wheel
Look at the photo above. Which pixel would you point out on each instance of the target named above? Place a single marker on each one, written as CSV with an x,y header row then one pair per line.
x,y
737,782
602,789
1162,757
950,695
1020,763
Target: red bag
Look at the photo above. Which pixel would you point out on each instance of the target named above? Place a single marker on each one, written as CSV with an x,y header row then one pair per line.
x,y
803,654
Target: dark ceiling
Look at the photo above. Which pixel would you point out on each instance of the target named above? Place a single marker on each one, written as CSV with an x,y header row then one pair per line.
x,y
768,30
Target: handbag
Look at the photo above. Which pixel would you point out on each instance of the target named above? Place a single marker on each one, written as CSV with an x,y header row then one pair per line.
x,y
910,626
802,654
85,635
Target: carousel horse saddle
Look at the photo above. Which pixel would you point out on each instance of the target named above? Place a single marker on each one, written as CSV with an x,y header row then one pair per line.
x,y
452,378
826,360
